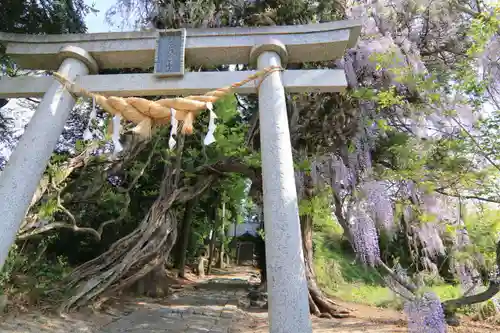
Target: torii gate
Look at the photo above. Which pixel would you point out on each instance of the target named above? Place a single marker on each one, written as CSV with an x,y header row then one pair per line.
x,y
80,56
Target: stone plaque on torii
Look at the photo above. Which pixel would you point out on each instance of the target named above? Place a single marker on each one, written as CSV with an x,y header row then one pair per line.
x,y
79,57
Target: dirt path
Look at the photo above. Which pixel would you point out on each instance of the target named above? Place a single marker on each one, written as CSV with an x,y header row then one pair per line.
x,y
208,306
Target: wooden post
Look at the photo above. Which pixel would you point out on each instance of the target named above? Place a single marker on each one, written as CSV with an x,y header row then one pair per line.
x,y
220,259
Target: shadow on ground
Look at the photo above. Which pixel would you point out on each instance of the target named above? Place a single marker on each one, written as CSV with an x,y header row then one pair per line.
x,y
223,284
207,306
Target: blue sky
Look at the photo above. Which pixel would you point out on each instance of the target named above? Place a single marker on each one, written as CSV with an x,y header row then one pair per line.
x,y
97,22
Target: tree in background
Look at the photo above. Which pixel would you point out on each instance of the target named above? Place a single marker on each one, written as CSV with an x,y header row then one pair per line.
x,y
43,17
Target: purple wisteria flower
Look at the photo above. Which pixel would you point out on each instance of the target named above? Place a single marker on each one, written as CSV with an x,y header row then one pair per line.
x,y
380,203
430,236
425,314
364,235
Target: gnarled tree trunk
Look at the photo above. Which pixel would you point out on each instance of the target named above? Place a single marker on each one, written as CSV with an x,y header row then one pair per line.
x,y
128,260
184,240
260,251
211,247
141,252
319,304
220,232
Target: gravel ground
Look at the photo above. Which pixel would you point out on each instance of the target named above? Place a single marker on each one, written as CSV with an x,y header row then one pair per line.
x,y
206,306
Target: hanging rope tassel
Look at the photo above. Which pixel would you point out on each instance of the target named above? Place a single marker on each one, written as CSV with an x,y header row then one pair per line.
x,y
116,134
144,128
210,138
87,134
173,131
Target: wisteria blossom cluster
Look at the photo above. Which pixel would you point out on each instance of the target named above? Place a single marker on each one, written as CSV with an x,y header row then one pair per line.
x,y
425,314
342,176
468,275
429,234
441,207
380,204
361,158
430,266
364,235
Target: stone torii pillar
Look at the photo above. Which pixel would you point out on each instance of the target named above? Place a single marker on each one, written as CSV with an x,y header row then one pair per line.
x,y
22,174
286,278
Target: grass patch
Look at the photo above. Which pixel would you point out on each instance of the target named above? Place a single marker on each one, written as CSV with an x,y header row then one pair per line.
x,y
29,280
340,275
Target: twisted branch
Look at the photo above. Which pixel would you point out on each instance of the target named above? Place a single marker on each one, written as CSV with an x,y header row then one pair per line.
x,y
79,161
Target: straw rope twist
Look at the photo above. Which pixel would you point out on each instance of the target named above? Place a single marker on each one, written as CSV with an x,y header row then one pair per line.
x,y
146,113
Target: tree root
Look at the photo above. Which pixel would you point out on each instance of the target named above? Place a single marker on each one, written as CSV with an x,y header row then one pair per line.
x,y
323,307
319,304
156,284
128,260
140,252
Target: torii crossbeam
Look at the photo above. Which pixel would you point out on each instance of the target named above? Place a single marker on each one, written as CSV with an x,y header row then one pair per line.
x,y
79,57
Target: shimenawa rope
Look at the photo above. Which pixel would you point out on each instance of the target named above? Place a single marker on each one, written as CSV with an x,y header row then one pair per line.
x,y
146,113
